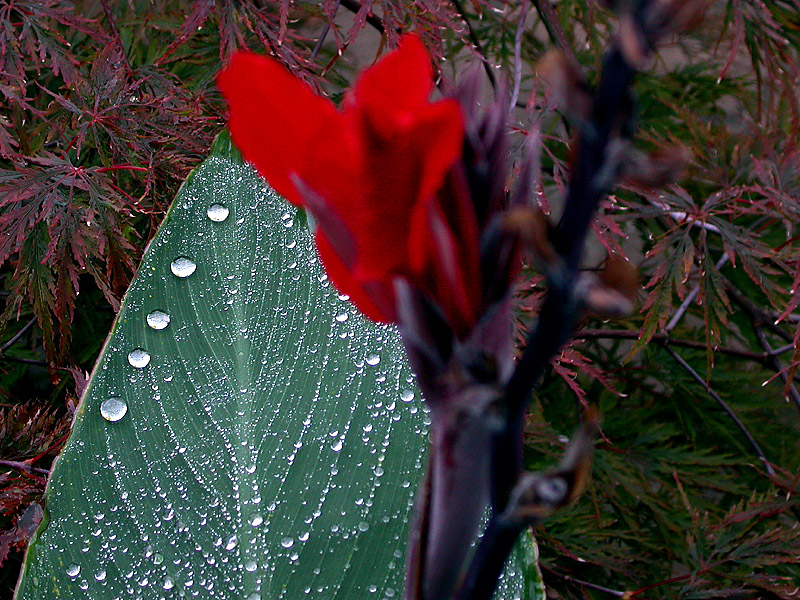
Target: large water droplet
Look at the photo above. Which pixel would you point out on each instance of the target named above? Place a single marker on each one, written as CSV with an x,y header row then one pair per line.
x,y
231,543
373,359
287,542
250,566
113,409
182,267
73,570
100,575
254,596
256,520
158,319
139,358
406,395
218,212
168,583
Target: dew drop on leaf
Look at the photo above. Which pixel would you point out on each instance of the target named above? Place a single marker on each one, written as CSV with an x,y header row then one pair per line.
x,y
231,543
73,570
287,542
182,267
256,520
250,566
158,319
113,409
139,358
218,212
168,583
100,575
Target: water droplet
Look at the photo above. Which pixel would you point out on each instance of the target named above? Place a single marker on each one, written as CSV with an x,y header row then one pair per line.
x,y
218,212
169,583
182,267
342,317
337,446
287,542
100,575
303,537
256,520
407,396
231,543
250,566
254,596
158,319
373,359
363,526
139,358
113,409
73,570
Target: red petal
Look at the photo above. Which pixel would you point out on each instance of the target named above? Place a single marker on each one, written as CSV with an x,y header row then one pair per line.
x,y
283,127
445,254
374,299
399,83
401,173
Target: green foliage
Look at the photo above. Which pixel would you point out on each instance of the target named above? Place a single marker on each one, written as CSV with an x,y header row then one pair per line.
x,y
105,112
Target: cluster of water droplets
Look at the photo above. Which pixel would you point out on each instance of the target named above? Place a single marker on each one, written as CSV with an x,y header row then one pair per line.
x,y
114,409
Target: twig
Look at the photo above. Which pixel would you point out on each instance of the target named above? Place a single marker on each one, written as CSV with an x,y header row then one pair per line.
x,y
113,25
324,33
24,361
777,366
556,33
476,42
696,376
354,6
518,56
676,318
15,464
762,358
592,586
18,335
757,315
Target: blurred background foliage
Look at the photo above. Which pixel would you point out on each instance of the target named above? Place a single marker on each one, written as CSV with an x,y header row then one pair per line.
x,y
106,106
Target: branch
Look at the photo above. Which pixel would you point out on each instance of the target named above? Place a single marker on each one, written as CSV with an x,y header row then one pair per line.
x,y
588,584
696,376
18,335
550,20
663,339
324,33
487,66
354,6
15,464
776,365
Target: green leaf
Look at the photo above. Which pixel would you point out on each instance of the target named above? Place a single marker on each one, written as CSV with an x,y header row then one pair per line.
x,y
271,440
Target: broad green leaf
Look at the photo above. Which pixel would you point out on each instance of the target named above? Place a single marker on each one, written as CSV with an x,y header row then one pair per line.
x,y
246,433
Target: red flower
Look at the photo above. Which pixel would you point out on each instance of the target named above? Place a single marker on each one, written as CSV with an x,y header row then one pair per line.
x,y
372,174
